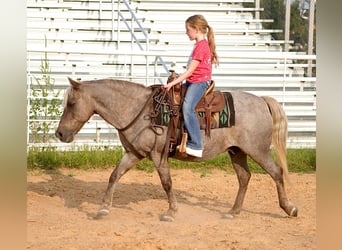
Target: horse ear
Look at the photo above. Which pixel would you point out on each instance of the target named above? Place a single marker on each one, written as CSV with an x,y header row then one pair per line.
x,y
74,83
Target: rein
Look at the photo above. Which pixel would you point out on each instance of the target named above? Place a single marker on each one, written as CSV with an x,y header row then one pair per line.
x,y
138,115
160,99
153,125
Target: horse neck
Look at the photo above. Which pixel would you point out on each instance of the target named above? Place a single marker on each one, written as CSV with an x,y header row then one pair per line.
x,y
120,102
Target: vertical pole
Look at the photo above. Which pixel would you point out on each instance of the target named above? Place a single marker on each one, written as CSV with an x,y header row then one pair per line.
x,y
284,78
287,25
257,6
28,95
112,20
311,35
118,23
100,9
97,133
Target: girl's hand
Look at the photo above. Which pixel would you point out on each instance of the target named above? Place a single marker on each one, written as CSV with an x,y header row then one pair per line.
x,y
167,86
182,77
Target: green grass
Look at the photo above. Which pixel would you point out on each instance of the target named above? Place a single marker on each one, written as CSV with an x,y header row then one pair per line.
x,y
50,159
299,161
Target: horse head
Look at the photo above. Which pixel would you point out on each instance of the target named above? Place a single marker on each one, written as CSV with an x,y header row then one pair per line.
x,y
77,111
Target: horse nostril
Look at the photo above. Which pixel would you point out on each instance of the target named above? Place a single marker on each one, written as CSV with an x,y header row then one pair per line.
x,y
59,134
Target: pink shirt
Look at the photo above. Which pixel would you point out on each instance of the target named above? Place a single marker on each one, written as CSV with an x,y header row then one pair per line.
x,y
201,53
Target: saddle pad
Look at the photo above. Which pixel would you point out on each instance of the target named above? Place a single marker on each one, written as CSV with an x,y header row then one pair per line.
x,y
224,118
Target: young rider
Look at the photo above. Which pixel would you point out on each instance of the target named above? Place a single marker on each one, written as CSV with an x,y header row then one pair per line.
x,y
197,78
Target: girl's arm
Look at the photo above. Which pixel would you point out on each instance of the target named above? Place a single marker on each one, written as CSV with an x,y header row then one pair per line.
x,y
192,66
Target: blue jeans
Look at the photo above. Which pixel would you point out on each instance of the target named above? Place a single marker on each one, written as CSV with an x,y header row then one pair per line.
x,y
193,94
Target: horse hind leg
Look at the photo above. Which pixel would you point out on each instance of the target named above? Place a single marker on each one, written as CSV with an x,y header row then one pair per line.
x,y
239,161
126,163
276,172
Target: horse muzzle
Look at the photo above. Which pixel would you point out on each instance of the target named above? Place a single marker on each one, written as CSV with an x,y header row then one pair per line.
x,y
64,135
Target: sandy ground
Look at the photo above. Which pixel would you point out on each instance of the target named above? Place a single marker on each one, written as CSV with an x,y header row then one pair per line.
x,y
61,208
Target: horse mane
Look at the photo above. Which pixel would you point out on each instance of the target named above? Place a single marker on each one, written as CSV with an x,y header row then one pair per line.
x,y
117,82
66,96
108,81
123,83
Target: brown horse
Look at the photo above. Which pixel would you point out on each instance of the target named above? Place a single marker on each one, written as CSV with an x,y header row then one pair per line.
x,y
259,121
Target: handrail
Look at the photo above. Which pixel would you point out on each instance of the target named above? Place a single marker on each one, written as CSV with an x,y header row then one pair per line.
x,y
131,30
137,22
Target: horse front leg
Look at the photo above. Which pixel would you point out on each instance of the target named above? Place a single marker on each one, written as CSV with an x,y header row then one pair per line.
x,y
164,174
126,163
166,181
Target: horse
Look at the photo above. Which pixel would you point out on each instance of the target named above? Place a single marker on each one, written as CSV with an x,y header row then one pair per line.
x,y
259,123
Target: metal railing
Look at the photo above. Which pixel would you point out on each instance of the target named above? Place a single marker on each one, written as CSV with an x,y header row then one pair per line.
x,y
130,26
95,138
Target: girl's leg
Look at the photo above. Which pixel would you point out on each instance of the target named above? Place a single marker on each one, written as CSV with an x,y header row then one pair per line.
x,y
194,93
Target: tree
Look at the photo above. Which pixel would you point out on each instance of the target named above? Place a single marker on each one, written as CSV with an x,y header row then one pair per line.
x,y
298,28
275,9
45,106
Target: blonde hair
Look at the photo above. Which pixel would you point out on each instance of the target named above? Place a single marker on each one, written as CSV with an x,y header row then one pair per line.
x,y
200,23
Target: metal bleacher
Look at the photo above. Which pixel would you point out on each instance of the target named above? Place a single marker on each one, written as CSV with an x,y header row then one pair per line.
x,y
140,40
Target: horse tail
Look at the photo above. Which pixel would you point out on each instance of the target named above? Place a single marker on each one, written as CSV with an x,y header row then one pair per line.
x,y
279,132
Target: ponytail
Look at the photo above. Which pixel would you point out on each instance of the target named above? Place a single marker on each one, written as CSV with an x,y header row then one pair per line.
x,y
212,46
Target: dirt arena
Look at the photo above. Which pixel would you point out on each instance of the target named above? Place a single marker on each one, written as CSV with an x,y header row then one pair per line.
x,y
61,208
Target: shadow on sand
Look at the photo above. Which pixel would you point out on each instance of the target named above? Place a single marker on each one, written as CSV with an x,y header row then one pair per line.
x,y
74,192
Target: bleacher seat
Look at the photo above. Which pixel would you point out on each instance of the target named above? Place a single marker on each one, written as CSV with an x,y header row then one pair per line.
x,y
80,34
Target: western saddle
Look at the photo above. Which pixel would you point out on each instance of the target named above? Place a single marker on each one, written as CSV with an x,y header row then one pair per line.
x,y
211,102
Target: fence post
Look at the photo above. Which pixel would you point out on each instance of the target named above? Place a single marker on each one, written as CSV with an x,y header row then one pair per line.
x,y
311,35
287,25
257,6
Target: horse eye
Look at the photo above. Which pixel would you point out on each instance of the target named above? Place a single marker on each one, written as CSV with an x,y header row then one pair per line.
x,y
71,103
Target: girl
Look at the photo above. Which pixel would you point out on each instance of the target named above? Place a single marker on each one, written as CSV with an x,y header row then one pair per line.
x,y
197,76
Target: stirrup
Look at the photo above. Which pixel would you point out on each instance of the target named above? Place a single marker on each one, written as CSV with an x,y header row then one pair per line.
x,y
182,146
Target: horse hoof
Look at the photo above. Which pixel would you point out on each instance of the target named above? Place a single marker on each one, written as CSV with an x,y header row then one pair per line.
x,y
101,213
228,216
294,212
167,218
